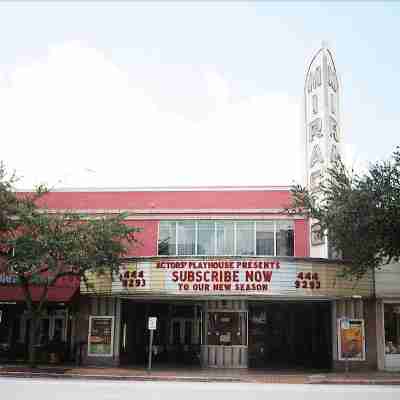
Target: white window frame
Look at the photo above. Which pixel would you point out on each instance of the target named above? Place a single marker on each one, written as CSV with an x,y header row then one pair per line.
x,y
255,238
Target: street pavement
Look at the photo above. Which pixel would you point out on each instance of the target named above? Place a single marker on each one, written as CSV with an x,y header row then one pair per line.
x,y
60,389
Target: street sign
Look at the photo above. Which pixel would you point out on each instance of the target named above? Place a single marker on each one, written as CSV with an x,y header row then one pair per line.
x,y
152,326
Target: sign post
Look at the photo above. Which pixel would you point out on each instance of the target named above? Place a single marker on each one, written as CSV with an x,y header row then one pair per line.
x,y
345,325
152,326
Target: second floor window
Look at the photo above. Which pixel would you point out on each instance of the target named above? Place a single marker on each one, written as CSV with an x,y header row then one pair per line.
x,y
226,238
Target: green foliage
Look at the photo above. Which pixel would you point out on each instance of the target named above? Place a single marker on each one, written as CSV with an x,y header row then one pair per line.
x,y
360,212
39,246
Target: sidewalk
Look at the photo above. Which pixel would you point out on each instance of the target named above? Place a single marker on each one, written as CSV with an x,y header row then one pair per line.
x,y
202,375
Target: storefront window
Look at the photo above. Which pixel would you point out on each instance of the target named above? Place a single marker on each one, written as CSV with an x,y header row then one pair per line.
x,y
58,329
392,328
10,333
44,331
227,328
50,328
5,328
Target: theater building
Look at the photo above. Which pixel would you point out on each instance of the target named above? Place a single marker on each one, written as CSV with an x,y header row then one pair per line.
x,y
228,275
233,280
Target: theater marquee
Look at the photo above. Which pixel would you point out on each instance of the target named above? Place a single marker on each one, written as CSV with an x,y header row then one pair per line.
x,y
249,277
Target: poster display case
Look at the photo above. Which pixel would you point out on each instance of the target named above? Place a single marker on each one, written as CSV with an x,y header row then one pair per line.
x,y
351,339
101,336
227,328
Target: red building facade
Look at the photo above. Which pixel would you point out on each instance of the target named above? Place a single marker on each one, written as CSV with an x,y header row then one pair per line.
x,y
148,207
225,271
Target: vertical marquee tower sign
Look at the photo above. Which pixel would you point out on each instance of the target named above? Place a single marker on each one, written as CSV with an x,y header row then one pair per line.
x,y
322,128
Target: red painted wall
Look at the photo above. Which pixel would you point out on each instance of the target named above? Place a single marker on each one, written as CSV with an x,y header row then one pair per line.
x,y
168,200
147,239
301,241
178,200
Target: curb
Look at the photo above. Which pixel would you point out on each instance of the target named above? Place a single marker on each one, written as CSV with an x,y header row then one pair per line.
x,y
205,379
354,382
142,378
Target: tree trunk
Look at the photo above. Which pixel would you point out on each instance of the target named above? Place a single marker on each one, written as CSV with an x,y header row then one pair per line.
x,y
32,337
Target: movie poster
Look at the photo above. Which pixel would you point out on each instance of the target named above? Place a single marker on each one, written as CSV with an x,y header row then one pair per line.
x,y
351,339
100,339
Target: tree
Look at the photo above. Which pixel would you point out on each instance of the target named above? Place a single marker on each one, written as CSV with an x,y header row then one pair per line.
x,y
361,213
40,247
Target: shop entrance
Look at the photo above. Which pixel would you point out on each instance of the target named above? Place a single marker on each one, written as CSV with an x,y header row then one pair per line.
x,y
176,340
290,335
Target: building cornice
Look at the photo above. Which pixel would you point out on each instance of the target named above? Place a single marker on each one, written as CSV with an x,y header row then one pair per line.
x,y
137,214
169,189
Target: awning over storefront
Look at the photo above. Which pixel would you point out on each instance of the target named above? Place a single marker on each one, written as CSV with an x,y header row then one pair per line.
x,y
55,294
62,292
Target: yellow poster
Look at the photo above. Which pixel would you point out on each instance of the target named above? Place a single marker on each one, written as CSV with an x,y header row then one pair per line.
x,y
351,339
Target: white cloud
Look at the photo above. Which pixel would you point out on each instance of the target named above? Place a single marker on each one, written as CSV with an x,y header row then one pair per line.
x,y
77,117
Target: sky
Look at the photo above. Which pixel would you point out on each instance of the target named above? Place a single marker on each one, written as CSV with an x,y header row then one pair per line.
x,y
131,94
